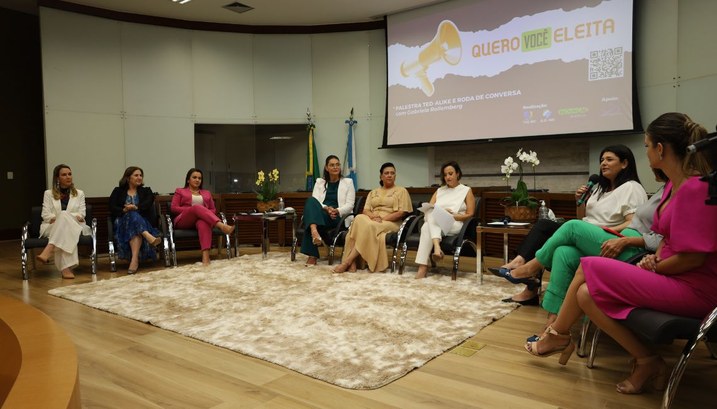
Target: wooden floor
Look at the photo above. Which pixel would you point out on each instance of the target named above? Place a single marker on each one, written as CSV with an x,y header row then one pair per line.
x,y
129,364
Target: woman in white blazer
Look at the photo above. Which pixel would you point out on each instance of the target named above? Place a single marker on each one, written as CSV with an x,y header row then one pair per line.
x,y
63,221
333,197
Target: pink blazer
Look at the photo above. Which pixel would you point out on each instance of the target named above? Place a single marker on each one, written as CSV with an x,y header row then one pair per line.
x,y
182,200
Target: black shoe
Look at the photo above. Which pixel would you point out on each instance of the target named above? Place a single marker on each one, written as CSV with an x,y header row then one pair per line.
x,y
535,300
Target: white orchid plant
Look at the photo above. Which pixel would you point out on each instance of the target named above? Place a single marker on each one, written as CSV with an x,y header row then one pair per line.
x,y
268,185
519,196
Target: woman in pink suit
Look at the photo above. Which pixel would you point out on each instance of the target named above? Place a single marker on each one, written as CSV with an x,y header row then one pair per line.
x,y
193,208
680,278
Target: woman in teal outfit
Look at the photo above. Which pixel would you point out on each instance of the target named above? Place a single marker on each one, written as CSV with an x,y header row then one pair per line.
x,y
333,197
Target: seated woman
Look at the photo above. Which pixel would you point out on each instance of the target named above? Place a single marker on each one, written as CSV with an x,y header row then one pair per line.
x,y
612,203
455,198
680,278
333,198
131,206
385,207
575,239
193,208
63,221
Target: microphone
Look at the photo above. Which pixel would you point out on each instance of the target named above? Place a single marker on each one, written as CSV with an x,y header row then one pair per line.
x,y
701,144
592,181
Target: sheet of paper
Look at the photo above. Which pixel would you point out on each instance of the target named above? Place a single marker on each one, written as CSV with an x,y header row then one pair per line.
x,y
444,219
425,206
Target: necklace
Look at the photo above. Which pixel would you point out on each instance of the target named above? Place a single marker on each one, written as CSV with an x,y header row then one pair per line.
x,y
194,192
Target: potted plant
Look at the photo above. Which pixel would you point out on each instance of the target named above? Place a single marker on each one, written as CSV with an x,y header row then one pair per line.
x,y
520,206
267,191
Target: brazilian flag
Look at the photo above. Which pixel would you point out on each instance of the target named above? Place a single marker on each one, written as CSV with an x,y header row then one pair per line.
x,y
313,170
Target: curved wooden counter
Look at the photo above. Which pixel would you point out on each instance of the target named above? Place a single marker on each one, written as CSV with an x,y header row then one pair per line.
x,y
39,361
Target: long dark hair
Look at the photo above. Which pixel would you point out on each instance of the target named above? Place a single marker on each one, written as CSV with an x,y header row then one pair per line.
x,y
189,174
623,153
455,166
56,182
327,177
124,182
384,166
679,131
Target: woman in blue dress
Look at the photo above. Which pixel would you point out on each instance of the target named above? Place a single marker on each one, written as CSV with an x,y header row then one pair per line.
x,y
132,209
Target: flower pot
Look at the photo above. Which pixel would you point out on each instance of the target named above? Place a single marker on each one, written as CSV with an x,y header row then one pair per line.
x,y
264,207
521,213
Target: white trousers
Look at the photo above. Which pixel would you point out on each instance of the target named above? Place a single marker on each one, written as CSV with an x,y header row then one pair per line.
x,y
64,234
429,231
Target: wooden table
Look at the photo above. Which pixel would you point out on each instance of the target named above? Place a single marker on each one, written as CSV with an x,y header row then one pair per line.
x,y
264,218
505,231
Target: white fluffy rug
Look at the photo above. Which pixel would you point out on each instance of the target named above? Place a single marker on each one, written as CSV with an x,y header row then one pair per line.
x,y
355,330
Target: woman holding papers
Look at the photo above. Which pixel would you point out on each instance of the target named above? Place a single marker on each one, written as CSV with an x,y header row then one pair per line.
x,y
452,204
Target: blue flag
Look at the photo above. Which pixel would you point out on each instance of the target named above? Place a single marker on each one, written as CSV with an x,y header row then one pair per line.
x,y
350,158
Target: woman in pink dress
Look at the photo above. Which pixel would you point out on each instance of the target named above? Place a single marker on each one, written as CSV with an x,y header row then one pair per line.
x,y
680,278
194,208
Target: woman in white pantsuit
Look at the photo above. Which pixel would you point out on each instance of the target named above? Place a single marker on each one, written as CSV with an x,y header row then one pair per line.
x,y
63,221
455,198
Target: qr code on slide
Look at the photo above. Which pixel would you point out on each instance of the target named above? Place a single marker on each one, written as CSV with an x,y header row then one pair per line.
x,y
605,64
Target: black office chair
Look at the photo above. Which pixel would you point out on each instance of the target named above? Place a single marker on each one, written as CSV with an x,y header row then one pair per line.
x,y
173,234
335,237
111,245
656,327
453,244
396,240
584,330
29,238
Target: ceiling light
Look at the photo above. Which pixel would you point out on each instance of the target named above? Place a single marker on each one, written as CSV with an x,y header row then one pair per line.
x,y
181,1
238,7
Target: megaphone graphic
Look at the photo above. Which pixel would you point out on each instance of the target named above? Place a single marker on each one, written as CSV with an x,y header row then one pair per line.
x,y
445,45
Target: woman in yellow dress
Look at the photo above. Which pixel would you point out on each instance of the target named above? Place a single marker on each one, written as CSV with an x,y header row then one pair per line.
x,y
385,208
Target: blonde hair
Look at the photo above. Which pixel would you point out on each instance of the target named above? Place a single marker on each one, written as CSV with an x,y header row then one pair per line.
x,y
56,194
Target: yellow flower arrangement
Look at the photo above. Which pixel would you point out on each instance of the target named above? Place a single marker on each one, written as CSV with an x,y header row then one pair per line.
x,y
268,187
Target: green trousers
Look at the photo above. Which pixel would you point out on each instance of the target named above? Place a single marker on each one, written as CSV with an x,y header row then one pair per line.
x,y
561,255
315,214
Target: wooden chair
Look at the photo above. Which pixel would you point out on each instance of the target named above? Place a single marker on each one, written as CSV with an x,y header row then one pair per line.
x,y
30,240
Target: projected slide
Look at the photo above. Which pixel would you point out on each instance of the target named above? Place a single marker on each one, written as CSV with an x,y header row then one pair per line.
x,y
463,70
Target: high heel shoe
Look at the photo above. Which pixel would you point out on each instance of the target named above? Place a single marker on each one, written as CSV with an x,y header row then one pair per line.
x,y
317,240
534,300
437,257
551,335
505,273
658,377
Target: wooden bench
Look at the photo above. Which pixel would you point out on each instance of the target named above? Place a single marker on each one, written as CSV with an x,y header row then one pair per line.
x,y
39,361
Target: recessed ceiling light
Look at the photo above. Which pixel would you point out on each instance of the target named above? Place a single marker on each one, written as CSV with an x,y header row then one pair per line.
x,y
238,7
